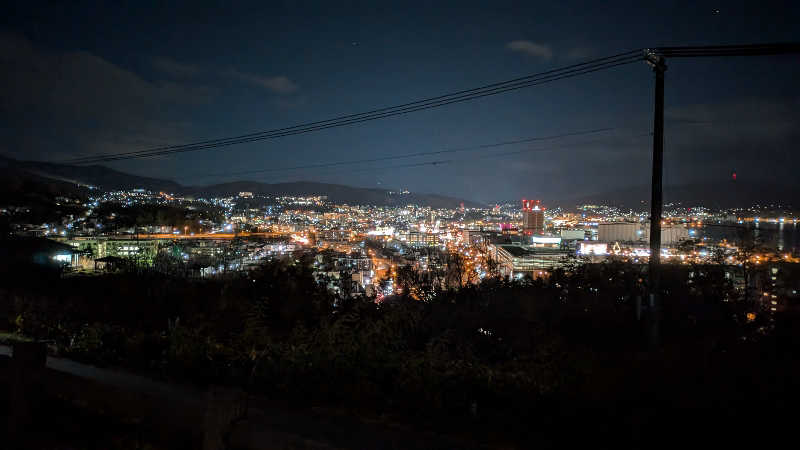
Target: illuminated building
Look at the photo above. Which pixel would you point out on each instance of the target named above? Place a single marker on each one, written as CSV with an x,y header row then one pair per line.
x,y
640,232
519,260
477,237
571,235
334,235
382,231
39,251
470,237
621,232
545,241
593,248
532,217
141,250
671,234
420,239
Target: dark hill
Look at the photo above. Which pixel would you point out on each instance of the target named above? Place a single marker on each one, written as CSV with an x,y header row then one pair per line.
x,y
727,194
33,199
336,192
110,179
100,176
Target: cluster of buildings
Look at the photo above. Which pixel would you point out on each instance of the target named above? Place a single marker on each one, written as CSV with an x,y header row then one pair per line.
x,y
359,248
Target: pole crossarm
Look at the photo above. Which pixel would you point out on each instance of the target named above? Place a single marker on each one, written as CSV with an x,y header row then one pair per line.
x,y
779,48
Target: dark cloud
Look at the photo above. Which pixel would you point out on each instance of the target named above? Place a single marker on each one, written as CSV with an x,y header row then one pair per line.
x,y
179,70
65,103
230,71
756,134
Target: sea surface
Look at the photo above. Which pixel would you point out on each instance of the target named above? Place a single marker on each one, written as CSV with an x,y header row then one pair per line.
x,y
781,236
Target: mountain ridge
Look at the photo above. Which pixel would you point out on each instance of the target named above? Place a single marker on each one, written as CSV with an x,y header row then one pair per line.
x,y
724,194
111,179
717,194
337,193
94,175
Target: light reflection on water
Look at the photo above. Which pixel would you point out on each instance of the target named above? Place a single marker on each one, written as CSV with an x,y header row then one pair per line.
x,y
781,236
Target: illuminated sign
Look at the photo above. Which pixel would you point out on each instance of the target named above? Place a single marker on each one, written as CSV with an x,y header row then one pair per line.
x,y
530,205
546,240
593,248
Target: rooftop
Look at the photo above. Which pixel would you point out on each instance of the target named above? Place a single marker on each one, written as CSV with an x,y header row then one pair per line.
x,y
524,250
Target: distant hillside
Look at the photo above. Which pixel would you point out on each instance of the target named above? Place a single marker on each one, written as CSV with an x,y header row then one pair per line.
x,y
336,192
100,176
35,199
110,179
726,194
19,184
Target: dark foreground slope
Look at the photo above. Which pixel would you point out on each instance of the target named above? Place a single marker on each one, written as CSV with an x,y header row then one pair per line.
x,y
546,364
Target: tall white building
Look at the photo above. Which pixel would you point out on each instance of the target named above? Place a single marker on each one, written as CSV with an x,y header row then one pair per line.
x,y
671,234
620,232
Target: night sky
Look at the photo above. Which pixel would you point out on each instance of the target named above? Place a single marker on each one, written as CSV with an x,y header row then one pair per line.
x,y
95,78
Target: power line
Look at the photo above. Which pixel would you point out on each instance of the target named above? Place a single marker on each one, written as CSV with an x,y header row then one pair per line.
x,y
414,155
439,163
338,124
460,149
437,152
455,97
433,102
360,116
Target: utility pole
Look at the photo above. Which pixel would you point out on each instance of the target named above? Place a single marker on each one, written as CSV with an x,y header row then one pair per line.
x,y
655,57
656,195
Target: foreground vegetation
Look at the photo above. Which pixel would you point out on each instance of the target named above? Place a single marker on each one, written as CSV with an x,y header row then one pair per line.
x,y
519,360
